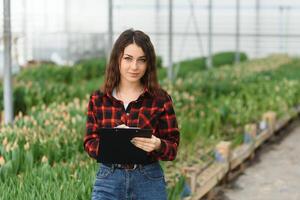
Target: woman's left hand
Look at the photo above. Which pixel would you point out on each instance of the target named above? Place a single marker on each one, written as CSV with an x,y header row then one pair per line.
x,y
147,144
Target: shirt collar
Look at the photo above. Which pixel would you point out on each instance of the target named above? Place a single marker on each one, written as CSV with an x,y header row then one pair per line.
x,y
145,93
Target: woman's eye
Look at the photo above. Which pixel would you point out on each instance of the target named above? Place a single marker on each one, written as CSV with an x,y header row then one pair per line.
x,y
142,60
127,58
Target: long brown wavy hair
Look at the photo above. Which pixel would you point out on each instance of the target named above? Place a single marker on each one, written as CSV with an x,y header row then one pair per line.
x,y
112,74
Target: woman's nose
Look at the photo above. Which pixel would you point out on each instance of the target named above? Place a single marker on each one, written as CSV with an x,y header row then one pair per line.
x,y
134,64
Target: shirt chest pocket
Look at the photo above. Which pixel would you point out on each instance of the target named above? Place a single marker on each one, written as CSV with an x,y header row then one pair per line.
x,y
148,117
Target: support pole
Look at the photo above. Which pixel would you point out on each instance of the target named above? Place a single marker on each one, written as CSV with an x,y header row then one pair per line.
x,y
209,63
257,28
237,36
8,105
170,68
110,28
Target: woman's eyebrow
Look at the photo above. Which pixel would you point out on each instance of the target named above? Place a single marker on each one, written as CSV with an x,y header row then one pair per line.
x,y
132,56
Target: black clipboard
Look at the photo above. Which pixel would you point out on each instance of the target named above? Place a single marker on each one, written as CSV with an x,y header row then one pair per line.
x,y
115,146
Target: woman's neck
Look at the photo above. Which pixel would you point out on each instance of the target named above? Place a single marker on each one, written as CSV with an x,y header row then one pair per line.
x,y
130,87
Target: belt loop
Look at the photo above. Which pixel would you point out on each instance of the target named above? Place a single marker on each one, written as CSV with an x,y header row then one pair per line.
x,y
112,167
140,166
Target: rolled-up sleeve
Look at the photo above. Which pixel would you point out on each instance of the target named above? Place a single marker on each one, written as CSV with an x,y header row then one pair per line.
x,y
168,132
91,138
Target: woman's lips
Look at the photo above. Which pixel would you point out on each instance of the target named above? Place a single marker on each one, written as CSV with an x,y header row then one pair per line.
x,y
133,74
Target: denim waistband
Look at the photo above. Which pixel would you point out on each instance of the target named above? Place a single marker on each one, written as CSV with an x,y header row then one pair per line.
x,y
136,166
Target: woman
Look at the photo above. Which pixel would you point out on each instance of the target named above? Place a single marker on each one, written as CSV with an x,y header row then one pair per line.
x,y
132,97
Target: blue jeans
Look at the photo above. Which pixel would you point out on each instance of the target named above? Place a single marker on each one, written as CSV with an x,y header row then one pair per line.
x,y
145,183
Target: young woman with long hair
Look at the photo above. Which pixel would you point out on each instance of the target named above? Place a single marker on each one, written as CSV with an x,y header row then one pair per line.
x,y
132,97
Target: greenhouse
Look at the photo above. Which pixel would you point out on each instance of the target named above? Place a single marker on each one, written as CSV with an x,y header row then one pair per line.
x,y
149,99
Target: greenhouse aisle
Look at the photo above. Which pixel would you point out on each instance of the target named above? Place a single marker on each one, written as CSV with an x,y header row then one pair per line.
x,y
275,176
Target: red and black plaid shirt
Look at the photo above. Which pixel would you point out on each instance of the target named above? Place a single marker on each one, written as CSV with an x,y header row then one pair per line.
x,y
154,112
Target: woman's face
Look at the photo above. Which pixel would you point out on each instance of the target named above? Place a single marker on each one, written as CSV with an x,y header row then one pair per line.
x,y
133,64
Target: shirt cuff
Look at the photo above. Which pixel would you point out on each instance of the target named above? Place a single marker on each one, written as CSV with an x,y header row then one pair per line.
x,y
162,149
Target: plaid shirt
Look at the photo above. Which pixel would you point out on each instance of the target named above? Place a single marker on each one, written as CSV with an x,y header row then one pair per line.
x,y
156,113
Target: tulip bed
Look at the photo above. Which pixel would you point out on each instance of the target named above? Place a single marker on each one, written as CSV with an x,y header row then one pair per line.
x,y
42,157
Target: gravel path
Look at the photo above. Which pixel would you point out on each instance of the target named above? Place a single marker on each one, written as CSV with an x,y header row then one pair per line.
x,y
276,176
